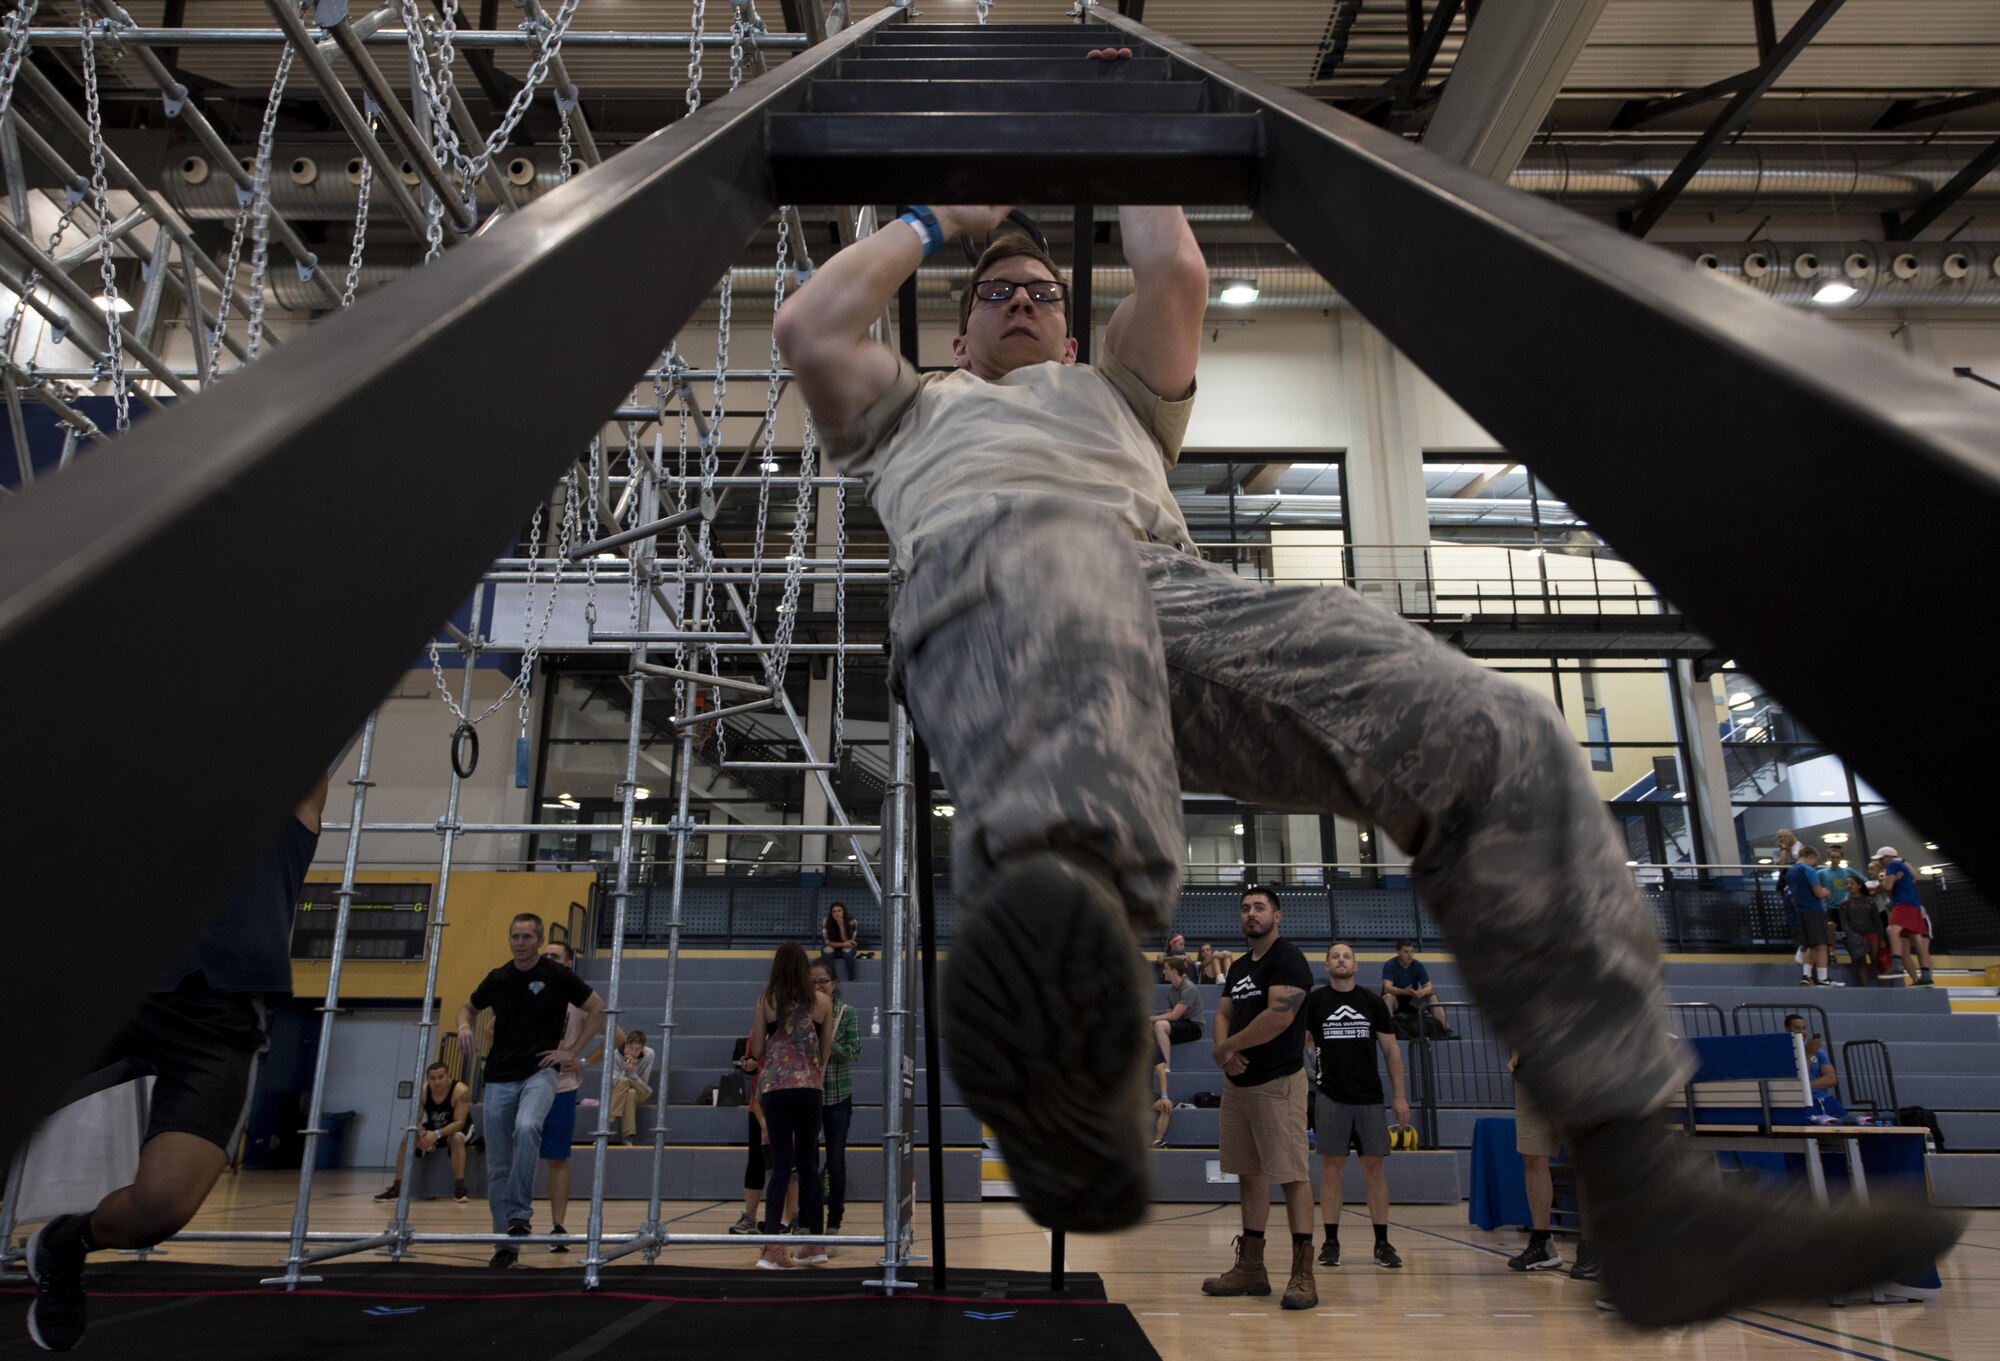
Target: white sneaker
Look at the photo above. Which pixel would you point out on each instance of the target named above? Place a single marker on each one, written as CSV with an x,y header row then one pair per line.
x,y
811,1254
1831,983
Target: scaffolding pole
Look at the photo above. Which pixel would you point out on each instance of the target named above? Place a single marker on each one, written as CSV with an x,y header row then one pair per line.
x,y
297,1257
898,1073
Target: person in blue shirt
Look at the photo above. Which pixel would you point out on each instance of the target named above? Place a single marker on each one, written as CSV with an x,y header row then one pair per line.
x,y
1909,922
1822,1078
1406,987
1808,910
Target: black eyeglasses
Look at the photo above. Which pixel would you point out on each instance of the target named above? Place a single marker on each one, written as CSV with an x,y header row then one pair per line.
x,y
1042,292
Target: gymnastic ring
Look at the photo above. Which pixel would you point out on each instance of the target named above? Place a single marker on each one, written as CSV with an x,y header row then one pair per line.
x,y
465,738
1019,219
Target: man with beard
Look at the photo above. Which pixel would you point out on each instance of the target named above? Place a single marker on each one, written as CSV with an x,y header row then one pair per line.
x,y
1260,1048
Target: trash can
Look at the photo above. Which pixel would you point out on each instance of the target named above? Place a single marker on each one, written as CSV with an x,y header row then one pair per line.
x,y
333,1143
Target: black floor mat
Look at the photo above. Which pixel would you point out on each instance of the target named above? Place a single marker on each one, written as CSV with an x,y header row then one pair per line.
x,y
220,1313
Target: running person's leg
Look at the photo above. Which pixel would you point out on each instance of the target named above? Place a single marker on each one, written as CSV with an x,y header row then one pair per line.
x,y
202,1047
1307,697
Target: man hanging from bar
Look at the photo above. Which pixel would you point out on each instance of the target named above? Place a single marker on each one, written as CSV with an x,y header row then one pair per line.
x,y
199,1035
1072,662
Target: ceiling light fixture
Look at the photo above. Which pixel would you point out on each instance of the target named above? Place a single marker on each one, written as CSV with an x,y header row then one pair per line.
x,y
1833,292
642,793
1538,552
1741,701
1930,845
1237,830
1238,292
1836,838
104,302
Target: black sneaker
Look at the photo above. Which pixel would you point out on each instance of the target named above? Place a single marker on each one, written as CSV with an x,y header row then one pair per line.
x,y
1386,1256
558,1247
459,1193
1678,1246
1585,1267
1062,1079
1329,1254
505,1256
56,1317
394,1190
1539,1255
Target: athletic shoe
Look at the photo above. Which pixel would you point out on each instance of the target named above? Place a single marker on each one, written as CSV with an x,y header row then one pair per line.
x,y
1539,1255
1062,1080
459,1193
775,1258
57,1316
1329,1254
395,1189
744,1224
1386,1256
1678,1246
810,1254
1831,983
1807,983
1924,979
1585,1267
558,1247
1159,1143
504,1256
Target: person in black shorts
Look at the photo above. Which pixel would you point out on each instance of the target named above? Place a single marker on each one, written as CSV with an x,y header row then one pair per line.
x,y
1347,1025
445,1118
200,1035
1180,1023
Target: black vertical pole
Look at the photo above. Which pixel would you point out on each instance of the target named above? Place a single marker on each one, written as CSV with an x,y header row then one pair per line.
x,y
906,326
1057,1284
927,929
1085,229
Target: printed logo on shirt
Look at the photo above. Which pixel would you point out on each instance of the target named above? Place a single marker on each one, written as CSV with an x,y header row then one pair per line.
x,y
536,987
1346,1023
1246,987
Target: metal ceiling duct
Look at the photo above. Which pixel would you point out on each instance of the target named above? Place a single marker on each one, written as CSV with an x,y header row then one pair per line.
x,y
1882,274
317,181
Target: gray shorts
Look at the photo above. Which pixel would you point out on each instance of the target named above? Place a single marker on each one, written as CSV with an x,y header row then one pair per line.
x,y
1340,1129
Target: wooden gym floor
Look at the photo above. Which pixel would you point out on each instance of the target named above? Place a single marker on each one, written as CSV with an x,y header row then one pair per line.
x,y
1454,1298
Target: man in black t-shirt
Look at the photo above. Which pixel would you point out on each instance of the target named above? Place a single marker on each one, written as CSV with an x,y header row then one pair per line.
x,y
1260,1047
530,997
1346,1025
198,1034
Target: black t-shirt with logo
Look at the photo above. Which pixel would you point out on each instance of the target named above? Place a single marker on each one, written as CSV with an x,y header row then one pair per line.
x,y
530,1013
1344,1026
1247,989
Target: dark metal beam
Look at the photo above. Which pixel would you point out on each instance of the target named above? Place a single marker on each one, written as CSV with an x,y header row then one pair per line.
x,y
1429,44
1767,28
367,422
1135,10
1732,118
1907,111
1698,387
1939,203
1083,227
1641,111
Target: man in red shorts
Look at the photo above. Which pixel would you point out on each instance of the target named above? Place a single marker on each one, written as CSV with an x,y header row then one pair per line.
x,y
1908,921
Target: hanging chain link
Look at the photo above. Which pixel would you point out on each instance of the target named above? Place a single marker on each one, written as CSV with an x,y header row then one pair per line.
x,y
16,26
353,281
260,204
240,231
434,77
100,206
739,29
984,7
695,21
795,566
768,463
11,336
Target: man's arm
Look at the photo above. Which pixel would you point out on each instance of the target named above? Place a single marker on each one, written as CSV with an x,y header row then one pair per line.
x,y
1156,332
1266,1026
593,1030
1392,1059
313,806
1223,1015
461,1111
822,330
468,1045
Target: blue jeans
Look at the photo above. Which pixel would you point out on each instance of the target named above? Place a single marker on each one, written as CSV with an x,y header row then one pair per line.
x,y
515,1113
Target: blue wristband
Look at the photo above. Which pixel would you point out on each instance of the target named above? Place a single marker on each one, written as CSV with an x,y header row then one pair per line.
x,y
925,221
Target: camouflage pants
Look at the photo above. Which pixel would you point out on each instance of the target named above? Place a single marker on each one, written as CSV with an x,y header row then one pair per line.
x,y
1069,679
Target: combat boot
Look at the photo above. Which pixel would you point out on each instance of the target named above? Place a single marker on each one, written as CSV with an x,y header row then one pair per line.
x,y
1300,1291
1247,1277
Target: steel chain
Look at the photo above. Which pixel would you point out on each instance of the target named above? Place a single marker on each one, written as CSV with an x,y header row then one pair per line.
x,y
10,337
795,566
839,617
695,21
16,26
984,7
100,207
768,463
353,281
260,204
240,230
436,79
739,29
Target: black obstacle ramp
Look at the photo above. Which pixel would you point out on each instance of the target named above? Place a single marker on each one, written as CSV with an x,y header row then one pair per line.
x,y
220,1313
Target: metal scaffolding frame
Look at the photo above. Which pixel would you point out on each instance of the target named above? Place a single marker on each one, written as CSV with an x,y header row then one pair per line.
x,y
642,572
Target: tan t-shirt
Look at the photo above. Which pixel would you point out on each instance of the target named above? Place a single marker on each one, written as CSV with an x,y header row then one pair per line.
x,y
935,444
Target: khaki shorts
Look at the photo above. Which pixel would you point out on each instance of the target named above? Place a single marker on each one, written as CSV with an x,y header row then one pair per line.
x,y
1534,1136
1264,1129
